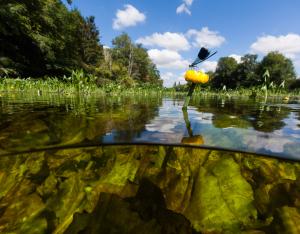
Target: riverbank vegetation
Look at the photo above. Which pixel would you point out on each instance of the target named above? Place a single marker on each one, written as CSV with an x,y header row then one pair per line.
x,y
46,46
43,38
274,72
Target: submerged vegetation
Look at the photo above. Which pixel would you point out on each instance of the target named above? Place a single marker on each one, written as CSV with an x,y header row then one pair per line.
x,y
147,189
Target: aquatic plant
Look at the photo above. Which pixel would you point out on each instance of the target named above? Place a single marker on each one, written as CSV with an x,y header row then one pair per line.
x,y
148,189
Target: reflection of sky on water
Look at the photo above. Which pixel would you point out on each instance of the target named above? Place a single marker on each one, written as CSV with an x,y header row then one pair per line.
x,y
169,127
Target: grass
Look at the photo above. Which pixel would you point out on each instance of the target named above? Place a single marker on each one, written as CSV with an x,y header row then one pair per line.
x,y
78,83
68,87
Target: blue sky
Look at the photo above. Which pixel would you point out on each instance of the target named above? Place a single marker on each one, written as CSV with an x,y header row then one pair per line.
x,y
173,31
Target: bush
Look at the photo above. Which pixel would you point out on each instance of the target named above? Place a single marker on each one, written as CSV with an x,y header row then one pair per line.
x,y
295,84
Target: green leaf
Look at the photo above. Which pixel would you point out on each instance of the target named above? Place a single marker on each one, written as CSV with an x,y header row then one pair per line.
x,y
222,198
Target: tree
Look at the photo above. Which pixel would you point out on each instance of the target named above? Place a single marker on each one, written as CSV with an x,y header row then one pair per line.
x,y
17,46
224,74
42,37
122,50
280,68
91,50
246,71
135,59
295,84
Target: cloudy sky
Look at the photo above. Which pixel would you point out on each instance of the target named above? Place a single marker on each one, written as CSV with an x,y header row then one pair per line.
x,y
173,31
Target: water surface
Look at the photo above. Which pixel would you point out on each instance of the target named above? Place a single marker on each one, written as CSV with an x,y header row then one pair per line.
x,y
59,173
33,122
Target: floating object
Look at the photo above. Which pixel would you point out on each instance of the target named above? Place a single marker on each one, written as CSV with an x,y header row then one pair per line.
x,y
193,140
286,98
196,77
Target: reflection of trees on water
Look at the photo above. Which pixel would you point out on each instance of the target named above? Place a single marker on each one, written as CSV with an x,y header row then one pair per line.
x,y
298,116
75,120
270,118
244,114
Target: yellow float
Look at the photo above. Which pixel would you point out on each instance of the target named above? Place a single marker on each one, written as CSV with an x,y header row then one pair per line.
x,y
193,140
196,77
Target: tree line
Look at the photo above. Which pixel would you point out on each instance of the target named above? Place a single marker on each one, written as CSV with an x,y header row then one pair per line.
x,y
44,38
249,72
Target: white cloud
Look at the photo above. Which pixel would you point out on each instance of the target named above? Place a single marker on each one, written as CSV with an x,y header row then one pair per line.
x,y
288,44
188,2
237,57
170,78
167,40
128,17
297,63
209,66
167,76
167,59
184,7
205,37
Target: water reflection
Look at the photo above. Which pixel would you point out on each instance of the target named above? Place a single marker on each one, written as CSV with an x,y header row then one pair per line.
x,y
28,122
191,139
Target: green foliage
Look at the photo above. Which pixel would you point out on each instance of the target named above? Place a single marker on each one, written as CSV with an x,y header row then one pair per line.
x,y
246,72
147,189
43,38
224,74
132,61
224,200
250,73
295,84
280,68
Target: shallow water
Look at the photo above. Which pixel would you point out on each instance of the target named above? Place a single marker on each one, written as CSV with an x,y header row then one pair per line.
x,y
32,122
148,189
58,173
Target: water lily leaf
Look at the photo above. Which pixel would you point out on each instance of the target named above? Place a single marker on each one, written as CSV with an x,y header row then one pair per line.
x,y
124,168
70,199
222,198
22,211
287,220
